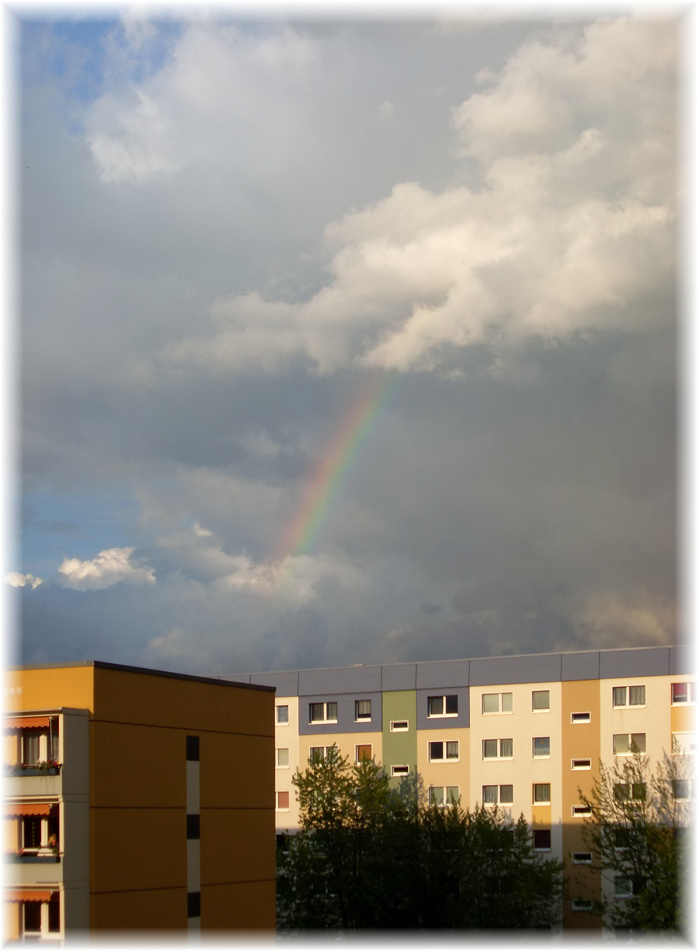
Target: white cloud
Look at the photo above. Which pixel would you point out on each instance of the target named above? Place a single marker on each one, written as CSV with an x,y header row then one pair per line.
x,y
572,225
17,580
108,568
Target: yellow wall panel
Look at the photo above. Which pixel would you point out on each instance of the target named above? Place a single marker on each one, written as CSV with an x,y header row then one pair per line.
x,y
236,770
135,765
138,848
237,845
49,688
245,907
140,911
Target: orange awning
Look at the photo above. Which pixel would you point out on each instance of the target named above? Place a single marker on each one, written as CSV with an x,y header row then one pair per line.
x,y
28,895
27,808
27,723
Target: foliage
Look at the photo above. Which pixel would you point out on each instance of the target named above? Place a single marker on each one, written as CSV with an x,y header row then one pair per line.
x,y
369,856
636,836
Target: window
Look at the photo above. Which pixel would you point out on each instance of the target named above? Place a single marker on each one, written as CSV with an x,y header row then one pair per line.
x,y
623,886
362,710
581,811
494,794
282,801
581,858
282,714
323,712
541,700
498,749
630,792
621,839
581,764
681,788
317,753
447,750
683,742
541,746
626,743
442,706
497,703
32,917
580,717
193,904
31,832
541,840
399,770
541,793
281,758
399,726
582,904
629,696
193,826
444,795
364,751
30,748
193,749
683,693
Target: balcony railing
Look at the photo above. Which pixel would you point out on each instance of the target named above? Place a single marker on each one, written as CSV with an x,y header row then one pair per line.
x,y
34,856
48,768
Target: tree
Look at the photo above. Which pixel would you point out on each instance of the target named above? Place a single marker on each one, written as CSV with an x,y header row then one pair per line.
x,y
372,857
635,833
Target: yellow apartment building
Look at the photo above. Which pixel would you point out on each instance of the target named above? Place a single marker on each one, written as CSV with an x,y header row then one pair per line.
x,y
136,800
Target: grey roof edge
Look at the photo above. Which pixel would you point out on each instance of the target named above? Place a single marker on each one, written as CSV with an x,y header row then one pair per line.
x,y
470,660
149,671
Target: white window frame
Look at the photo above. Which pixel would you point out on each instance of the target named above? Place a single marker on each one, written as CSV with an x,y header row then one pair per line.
x,y
690,693
279,808
626,695
358,746
620,891
583,763
323,755
580,810
446,802
582,904
443,697
677,744
397,727
541,802
498,800
43,934
498,754
500,703
578,860
689,785
445,758
401,769
536,848
362,717
533,748
536,709
282,706
283,749
325,704
630,739
581,717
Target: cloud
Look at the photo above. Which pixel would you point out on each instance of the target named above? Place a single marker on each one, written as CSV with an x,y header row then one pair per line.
x,y
17,580
572,226
111,566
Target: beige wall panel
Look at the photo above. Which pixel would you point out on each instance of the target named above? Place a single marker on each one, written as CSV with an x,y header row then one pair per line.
x,y
10,748
137,765
140,911
237,845
579,741
11,834
162,701
138,848
236,770
245,907
683,719
11,923
49,689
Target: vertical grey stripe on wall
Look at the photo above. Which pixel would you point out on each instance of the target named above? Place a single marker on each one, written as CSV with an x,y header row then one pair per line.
x,y
191,830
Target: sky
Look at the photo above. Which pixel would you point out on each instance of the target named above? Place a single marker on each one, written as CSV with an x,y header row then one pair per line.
x,y
344,340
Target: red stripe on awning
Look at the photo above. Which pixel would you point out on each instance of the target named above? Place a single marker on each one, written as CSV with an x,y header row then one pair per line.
x,y
27,895
27,808
27,723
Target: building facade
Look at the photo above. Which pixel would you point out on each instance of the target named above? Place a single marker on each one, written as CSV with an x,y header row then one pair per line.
x,y
526,732
136,799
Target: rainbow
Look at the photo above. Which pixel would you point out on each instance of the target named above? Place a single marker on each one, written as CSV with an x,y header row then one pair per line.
x,y
330,471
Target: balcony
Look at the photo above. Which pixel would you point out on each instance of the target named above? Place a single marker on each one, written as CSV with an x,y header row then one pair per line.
x,y
32,868
32,781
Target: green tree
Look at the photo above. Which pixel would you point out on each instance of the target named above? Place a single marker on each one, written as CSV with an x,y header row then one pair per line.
x,y
372,857
635,833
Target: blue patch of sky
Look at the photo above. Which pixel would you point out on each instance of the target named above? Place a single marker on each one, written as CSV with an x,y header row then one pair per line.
x,y
58,526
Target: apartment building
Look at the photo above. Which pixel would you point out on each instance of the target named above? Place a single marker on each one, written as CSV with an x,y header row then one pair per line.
x,y
135,800
526,732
